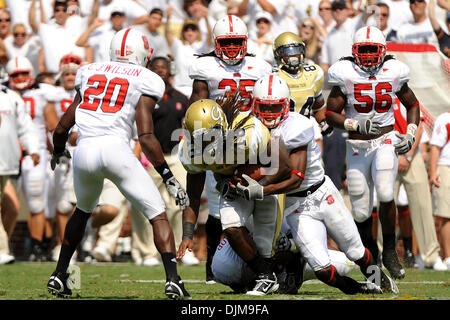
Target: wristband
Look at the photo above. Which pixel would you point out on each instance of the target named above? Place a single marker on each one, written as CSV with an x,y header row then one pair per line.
x,y
298,173
412,129
188,230
351,124
164,171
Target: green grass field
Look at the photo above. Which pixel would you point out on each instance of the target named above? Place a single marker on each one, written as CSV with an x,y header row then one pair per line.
x,y
125,281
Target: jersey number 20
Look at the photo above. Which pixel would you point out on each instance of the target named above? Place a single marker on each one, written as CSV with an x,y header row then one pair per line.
x,y
97,84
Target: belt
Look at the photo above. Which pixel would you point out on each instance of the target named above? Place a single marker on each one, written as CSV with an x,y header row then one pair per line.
x,y
304,193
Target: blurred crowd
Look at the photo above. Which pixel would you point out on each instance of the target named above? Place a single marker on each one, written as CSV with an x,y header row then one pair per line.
x,y
56,37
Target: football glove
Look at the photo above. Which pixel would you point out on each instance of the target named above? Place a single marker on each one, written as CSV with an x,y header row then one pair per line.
x,y
226,191
177,191
283,243
60,157
325,128
368,126
254,191
405,144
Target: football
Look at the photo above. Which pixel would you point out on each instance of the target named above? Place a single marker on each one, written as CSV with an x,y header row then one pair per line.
x,y
254,171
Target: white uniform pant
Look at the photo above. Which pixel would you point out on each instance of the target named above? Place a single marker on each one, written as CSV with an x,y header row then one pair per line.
x,y
323,212
236,213
35,183
371,164
229,269
110,157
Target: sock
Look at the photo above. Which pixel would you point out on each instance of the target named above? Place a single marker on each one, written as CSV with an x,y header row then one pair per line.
x,y
73,234
388,241
170,265
260,265
407,243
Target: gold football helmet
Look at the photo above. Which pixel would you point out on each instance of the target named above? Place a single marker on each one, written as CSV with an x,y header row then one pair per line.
x,y
203,115
289,51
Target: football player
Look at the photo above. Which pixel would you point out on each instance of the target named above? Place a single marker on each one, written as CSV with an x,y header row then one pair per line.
x,y
228,68
33,178
304,80
366,85
105,121
314,207
236,203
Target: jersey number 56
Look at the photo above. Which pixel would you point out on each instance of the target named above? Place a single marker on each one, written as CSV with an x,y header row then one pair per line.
x,y
381,103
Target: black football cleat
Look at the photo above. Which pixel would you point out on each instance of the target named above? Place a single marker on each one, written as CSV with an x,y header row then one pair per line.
x,y
60,285
175,290
409,259
369,288
391,262
265,284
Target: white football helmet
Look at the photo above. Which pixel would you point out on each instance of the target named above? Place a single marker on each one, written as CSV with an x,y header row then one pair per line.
x,y
369,48
130,46
20,73
230,39
271,100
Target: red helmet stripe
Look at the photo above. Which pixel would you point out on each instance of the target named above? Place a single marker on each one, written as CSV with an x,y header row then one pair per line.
x,y
124,40
230,20
270,84
368,32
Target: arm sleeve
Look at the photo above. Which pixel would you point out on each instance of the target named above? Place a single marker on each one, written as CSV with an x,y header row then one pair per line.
x,y
152,85
197,71
336,78
294,137
318,82
403,75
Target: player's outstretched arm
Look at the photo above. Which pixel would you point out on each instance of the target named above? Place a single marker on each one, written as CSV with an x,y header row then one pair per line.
x,y
61,133
199,91
335,105
152,149
412,105
194,186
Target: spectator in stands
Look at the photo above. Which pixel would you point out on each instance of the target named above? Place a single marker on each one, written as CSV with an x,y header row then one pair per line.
x,y
440,179
326,16
99,34
262,45
25,45
399,13
279,9
15,124
150,29
382,17
183,50
57,38
168,117
442,36
198,11
134,12
308,32
419,30
5,24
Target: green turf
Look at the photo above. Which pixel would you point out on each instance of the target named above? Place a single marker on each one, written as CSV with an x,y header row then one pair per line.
x,y
125,281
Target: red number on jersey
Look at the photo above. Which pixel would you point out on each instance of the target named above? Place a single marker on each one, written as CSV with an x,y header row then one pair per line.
x,y
29,106
98,83
383,101
330,199
243,90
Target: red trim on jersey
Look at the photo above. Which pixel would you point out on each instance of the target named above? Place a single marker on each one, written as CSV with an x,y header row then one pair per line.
x,y
405,212
270,84
400,124
124,40
332,273
410,47
368,33
447,126
368,256
329,111
414,105
230,20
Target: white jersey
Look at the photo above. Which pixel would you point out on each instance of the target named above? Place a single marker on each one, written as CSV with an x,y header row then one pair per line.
x,y
62,100
297,131
441,138
369,93
222,77
35,103
110,92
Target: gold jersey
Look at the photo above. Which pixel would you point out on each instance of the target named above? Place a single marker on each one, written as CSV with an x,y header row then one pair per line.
x,y
306,87
250,141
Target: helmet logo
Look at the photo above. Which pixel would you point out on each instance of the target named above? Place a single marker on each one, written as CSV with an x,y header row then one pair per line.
x,y
216,113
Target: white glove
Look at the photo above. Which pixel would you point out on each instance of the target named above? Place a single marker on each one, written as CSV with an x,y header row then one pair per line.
x,y
62,157
405,144
363,126
254,191
283,243
176,190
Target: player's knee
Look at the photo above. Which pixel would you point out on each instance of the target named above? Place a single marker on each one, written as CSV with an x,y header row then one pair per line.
x,y
385,191
103,215
36,205
355,253
64,207
232,232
